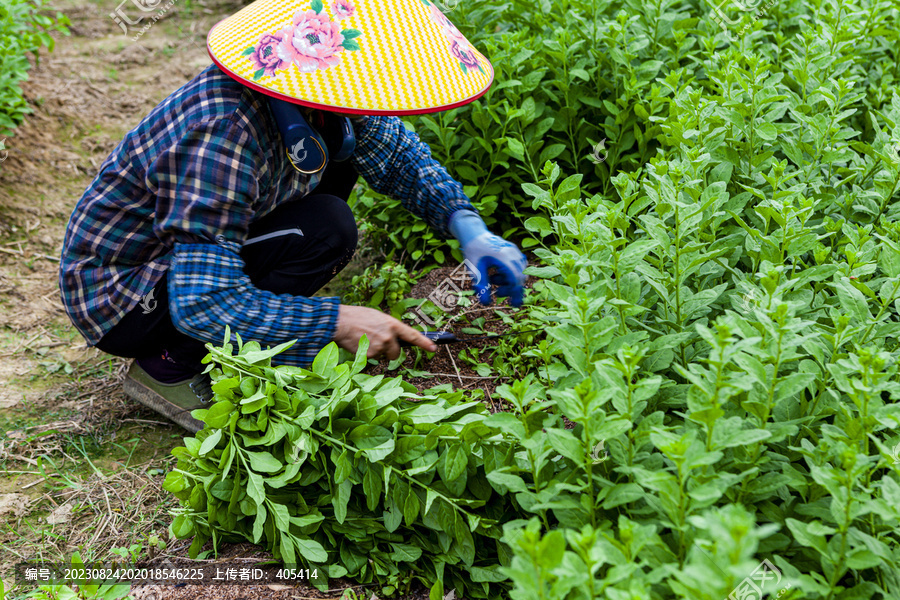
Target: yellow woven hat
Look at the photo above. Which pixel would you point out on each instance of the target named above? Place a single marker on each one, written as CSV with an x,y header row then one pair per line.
x,y
360,56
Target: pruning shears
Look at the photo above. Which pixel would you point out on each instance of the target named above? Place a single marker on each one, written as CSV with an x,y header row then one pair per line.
x,y
448,337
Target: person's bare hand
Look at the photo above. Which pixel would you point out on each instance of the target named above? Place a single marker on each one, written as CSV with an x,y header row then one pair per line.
x,y
382,331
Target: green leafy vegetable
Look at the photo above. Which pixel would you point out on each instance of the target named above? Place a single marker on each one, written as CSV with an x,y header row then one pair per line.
x,y
340,471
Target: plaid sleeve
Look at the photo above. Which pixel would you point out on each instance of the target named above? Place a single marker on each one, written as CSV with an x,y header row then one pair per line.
x,y
209,290
207,189
393,161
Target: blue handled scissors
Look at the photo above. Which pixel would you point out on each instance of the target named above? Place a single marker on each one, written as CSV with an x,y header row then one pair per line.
x,y
448,337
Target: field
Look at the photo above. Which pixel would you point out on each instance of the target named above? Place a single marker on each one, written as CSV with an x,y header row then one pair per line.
x,y
698,399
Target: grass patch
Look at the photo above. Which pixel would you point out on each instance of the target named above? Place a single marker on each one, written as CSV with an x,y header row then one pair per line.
x,y
81,469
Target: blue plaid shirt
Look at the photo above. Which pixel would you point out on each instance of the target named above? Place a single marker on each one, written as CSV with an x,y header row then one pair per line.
x,y
179,193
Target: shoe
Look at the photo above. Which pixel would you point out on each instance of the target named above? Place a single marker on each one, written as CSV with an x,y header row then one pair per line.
x,y
172,400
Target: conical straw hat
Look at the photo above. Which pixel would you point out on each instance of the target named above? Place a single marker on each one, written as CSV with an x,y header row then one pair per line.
x,y
358,56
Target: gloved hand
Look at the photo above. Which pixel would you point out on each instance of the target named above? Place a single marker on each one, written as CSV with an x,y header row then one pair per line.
x,y
483,250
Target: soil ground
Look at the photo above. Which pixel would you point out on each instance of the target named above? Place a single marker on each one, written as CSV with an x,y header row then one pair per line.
x,y
482,364
81,465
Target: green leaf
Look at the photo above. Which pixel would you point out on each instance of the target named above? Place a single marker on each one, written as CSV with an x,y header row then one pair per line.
x,y
326,360
111,591
311,550
455,461
852,301
227,458
249,386
351,45
430,497
392,515
306,418
811,535
210,442
360,361
487,574
248,51
622,493
369,436
316,6
342,468
379,453
255,488
341,499
405,553
286,545
766,131
539,225
503,482
411,507
425,413
225,387
259,522
251,399
437,590
349,34
263,356
516,148
372,487
264,462
175,482
281,516
217,416
307,520
567,445
182,526
863,559
551,549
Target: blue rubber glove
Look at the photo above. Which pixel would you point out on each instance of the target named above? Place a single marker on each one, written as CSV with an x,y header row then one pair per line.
x,y
483,250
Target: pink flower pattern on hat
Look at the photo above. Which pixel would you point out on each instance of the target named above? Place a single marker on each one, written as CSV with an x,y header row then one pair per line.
x,y
449,29
465,54
343,9
459,45
265,54
312,42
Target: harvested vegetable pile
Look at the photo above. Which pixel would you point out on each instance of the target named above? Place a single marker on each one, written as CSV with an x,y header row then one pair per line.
x,y
347,473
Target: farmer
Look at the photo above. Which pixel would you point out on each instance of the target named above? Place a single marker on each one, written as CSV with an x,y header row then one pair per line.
x,y
226,205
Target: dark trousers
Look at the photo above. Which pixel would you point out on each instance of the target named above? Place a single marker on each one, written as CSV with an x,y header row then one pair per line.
x,y
277,259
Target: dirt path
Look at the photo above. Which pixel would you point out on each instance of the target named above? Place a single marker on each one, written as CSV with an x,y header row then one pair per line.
x,y
96,85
